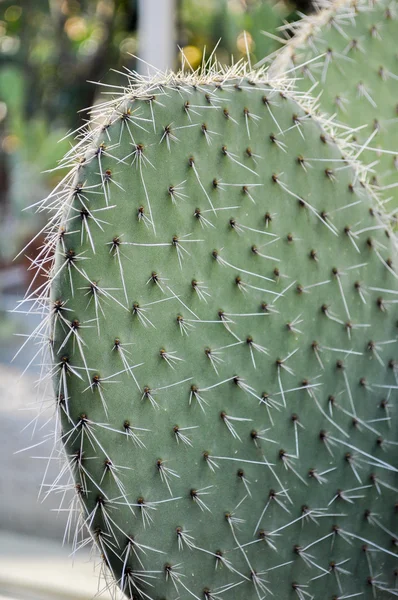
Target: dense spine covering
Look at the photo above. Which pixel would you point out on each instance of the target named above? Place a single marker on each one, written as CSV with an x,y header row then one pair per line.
x,y
347,53
222,325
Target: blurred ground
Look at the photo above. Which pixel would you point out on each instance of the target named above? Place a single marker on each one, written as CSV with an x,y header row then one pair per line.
x,y
32,569
33,563
21,511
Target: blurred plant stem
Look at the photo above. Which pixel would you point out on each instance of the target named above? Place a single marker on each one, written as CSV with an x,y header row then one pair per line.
x,y
156,22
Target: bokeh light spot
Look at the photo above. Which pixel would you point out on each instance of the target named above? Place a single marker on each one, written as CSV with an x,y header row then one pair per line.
x,y
10,143
243,44
76,28
193,55
13,13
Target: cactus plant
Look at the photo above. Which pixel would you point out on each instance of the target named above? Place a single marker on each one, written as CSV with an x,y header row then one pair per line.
x,y
221,288
348,51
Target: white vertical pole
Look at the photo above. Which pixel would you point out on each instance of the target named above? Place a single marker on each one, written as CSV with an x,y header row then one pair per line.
x,y
156,34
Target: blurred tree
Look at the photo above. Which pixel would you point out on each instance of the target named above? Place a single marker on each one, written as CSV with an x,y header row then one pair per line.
x,y
58,45
49,49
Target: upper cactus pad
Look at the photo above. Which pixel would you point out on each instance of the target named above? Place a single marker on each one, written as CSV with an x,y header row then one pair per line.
x,y
224,331
349,50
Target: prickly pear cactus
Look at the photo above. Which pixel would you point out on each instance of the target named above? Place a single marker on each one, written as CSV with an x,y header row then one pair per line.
x,y
224,337
349,50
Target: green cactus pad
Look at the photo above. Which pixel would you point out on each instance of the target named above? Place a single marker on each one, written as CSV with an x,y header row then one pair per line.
x,y
349,51
223,329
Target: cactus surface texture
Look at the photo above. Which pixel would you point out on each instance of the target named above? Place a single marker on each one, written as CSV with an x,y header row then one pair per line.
x,y
223,326
349,50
